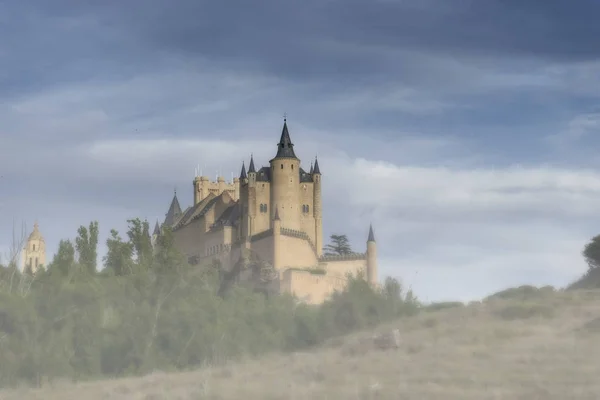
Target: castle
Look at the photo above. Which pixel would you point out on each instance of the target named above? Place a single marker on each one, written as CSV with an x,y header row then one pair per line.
x,y
34,253
266,227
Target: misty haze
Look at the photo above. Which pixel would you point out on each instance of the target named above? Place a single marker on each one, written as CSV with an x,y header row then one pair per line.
x,y
299,200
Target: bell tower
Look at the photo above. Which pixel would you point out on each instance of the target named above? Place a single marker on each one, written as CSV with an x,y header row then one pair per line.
x,y
34,252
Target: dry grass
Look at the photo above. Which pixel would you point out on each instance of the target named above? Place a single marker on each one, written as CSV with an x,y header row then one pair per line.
x,y
540,349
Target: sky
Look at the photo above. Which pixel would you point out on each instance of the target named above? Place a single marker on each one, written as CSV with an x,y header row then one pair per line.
x,y
466,132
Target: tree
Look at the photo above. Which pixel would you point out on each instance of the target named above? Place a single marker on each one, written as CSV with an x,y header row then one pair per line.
x,y
591,253
87,246
64,259
339,245
119,256
139,237
167,258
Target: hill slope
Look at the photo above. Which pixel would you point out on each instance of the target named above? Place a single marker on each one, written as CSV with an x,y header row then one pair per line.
x,y
544,347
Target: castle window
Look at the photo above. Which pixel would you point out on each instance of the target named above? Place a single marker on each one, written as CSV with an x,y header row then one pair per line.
x,y
281,166
292,167
34,247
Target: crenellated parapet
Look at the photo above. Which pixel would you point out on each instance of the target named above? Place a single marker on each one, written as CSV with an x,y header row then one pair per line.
x,y
294,233
299,235
343,257
262,235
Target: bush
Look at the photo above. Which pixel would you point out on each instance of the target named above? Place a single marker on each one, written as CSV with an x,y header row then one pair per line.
x,y
525,292
114,326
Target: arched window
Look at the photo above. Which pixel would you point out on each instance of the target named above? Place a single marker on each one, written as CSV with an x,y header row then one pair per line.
x,y
281,166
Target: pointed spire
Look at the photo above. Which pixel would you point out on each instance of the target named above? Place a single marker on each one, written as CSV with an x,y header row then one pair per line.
x,y
371,235
156,229
285,147
311,168
174,211
316,169
251,168
276,218
243,174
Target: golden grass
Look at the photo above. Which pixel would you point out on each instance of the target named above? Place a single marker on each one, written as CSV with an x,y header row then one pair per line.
x,y
546,348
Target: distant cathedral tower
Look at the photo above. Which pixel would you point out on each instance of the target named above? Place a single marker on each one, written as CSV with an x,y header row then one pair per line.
x,y
34,252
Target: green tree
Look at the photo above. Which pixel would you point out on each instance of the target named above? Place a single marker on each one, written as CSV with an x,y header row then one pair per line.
x,y
591,253
87,246
167,259
118,259
339,245
64,259
139,237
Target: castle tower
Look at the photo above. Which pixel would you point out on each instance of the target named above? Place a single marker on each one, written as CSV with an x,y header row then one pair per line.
x,y
252,169
201,184
285,182
276,240
371,258
34,252
244,211
317,207
252,196
236,186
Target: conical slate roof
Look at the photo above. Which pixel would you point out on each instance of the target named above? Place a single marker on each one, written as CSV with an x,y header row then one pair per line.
x,y
285,147
174,211
371,235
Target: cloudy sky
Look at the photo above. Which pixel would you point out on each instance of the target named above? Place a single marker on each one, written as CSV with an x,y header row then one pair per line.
x,y
466,131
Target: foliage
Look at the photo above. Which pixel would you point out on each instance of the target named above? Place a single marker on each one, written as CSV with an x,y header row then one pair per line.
x,y
340,245
86,244
148,309
524,292
444,305
591,252
590,280
64,259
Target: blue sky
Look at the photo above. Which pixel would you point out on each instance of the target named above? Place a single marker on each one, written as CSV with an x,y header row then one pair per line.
x,y
466,131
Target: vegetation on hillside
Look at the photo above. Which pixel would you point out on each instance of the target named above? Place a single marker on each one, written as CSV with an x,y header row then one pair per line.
x,y
591,254
148,311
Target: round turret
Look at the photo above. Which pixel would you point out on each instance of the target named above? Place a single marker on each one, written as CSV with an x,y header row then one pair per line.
x,y
285,182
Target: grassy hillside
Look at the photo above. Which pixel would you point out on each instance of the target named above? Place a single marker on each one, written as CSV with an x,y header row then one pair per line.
x,y
518,344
